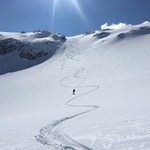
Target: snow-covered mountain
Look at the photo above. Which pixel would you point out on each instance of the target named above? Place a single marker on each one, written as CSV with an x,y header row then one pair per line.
x,y
109,69
24,50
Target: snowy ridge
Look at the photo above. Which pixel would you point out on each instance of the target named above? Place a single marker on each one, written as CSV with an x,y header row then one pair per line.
x,y
29,49
135,32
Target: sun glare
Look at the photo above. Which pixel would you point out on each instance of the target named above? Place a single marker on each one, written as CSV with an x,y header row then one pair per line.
x,y
79,10
53,12
74,3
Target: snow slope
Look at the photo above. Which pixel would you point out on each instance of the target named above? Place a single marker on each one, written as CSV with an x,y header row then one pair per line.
x,y
110,71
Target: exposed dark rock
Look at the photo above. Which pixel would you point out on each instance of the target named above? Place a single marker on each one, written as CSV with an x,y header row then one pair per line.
x,y
89,32
102,35
135,32
141,31
121,35
32,53
59,37
23,32
107,29
9,45
41,34
27,51
44,33
40,31
63,38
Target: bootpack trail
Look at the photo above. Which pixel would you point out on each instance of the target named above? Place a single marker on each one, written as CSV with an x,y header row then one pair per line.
x,y
51,135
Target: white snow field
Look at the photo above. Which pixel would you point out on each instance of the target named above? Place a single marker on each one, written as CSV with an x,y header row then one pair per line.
x,y
110,71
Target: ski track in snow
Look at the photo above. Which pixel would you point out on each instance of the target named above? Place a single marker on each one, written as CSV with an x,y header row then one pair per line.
x,y
51,135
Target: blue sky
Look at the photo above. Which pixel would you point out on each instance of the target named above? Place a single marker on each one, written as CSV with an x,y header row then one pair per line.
x,y
70,17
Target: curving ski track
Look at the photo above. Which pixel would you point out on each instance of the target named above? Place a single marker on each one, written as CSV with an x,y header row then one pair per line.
x,y
51,135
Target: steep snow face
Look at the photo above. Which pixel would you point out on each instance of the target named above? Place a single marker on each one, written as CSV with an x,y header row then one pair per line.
x,y
24,50
110,109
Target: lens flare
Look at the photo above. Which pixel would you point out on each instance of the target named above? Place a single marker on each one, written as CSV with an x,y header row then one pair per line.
x,y
79,10
53,13
72,3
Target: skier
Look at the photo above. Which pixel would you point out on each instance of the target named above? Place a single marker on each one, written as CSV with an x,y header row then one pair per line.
x,y
73,91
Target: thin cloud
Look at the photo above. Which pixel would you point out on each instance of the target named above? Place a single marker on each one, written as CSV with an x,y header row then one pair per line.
x,y
145,22
114,26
